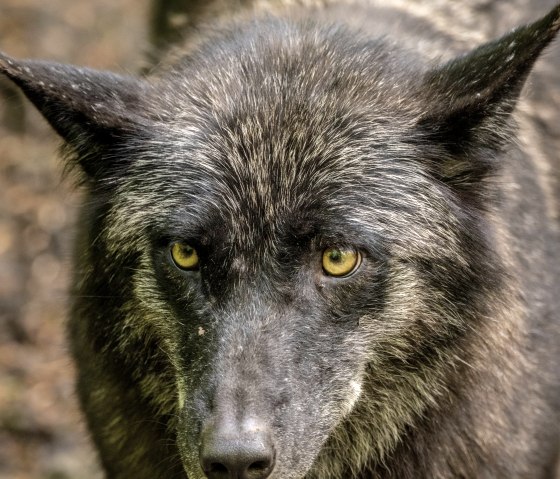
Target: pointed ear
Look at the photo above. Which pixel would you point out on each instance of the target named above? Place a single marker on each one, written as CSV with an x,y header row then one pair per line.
x,y
470,99
92,110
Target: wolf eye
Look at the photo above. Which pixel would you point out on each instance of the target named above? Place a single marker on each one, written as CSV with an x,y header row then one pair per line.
x,y
341,261
184,256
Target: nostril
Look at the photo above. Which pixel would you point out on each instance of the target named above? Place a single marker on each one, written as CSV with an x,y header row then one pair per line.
x,y
219,470
259,465
260,469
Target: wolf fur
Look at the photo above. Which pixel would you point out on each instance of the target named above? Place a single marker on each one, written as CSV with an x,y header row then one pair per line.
x,y
265,139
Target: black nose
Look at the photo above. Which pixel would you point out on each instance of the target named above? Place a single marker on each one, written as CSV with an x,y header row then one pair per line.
x,y
229,454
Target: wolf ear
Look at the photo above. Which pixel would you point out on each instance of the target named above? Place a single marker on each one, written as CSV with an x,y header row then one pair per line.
x,y
470,99
90,109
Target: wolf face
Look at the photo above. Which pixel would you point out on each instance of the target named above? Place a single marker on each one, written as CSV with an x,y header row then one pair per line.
x,y
287,257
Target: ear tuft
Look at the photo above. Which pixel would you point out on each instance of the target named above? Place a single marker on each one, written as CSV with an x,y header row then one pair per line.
x,y
471,98
90,109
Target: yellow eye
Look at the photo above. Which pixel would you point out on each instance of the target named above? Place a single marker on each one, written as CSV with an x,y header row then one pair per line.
x,y
341,261
184,256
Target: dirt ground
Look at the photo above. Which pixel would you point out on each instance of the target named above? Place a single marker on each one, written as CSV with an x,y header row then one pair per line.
x,y
41,432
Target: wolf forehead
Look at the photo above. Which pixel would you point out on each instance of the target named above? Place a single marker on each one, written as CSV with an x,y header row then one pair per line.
x,y
268,125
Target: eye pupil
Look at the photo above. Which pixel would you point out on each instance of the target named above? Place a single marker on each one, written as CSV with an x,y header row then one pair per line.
x,y
335,256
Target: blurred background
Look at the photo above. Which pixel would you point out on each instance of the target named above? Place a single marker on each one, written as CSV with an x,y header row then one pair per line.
x,y
41,432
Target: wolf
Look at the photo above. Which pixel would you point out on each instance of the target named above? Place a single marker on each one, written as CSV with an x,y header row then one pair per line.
x,y
320,240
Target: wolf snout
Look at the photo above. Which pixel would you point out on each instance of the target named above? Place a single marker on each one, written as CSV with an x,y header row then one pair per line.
x,y
232,452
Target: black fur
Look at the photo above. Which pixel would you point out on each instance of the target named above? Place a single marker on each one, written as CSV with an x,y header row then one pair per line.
x,y
263,143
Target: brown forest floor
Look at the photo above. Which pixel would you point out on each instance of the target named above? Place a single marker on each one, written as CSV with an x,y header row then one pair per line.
x,y
41,432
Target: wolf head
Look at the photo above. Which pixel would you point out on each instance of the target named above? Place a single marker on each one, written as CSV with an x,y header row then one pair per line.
x,y
294,216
